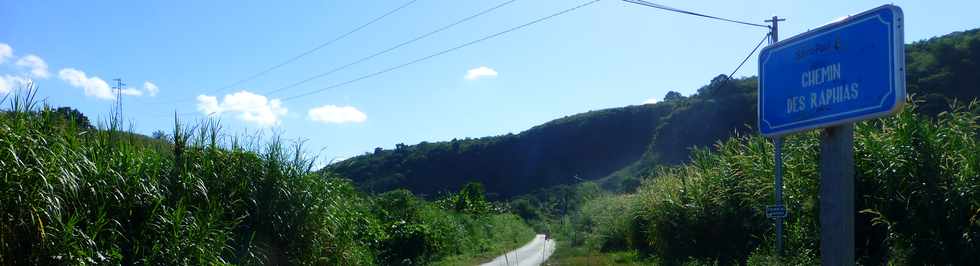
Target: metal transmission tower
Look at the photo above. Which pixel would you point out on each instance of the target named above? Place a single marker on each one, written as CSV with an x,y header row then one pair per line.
x,y
118,108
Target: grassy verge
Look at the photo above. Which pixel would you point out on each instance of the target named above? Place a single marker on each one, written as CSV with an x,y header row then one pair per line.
x,y
74,195
917,200
510,233
567,254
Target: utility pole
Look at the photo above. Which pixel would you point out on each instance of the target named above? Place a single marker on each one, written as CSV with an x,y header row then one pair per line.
x,y
778,145
774,28
778,154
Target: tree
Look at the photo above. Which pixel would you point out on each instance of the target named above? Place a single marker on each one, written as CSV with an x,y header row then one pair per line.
x,y
160,135
470,199
673,96
72,114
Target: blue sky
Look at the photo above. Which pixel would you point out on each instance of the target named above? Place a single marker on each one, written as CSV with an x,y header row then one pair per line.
x,y
609,54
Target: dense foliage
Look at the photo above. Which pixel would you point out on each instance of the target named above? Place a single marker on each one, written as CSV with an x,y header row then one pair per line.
x,y
918,193
943,69
620,144
584,146
72,194
420,232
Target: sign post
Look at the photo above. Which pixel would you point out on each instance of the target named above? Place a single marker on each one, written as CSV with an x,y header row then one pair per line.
x,y
837,195
831,77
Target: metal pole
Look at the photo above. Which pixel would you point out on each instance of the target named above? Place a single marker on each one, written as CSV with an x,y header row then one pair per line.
x,y
778,154
778,141
837,195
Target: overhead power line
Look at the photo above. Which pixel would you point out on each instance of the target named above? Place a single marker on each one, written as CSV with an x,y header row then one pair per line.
x,y
442,52
314,49
318,47
389,49
649,4
764,38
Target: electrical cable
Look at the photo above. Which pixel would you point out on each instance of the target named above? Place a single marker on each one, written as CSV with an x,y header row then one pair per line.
x,y
366,58
442,52
645,3
310,51
402,44
750,54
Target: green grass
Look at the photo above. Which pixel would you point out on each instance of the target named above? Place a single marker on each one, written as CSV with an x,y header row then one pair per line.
x,y
917,199
509,233
79,195
569,255
76,195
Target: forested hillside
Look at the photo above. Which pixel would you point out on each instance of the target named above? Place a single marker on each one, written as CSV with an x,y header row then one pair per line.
x,y
623,143
586,146
942,69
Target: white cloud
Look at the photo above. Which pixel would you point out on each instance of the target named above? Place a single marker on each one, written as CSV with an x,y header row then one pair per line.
x,y
250,107
130,92
336,114
34,63
480,72
5,52
208,105
150,88
9,82
651,101
93,86
37,65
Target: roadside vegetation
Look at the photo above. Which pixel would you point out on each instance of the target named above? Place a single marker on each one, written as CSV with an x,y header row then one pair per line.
x,y
75,194
680,182
917,200
917,182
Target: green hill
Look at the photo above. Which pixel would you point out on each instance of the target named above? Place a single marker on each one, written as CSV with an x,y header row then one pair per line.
x,y
619,144
553,153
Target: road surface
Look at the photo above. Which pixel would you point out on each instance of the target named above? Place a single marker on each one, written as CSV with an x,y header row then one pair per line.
x,y
534,253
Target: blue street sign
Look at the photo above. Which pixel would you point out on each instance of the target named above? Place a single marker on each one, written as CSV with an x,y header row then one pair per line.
x,y
846,71
776,211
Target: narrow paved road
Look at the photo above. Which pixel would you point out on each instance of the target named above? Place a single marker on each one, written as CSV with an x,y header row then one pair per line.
x,y
534,253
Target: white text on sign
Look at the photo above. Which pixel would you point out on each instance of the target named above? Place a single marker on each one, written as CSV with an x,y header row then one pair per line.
x,y
822,97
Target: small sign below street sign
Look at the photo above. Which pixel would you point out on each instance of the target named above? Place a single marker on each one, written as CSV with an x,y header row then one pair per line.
x,y
843,72
776,211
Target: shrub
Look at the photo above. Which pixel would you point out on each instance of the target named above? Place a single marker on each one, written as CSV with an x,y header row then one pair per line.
x,y
81,195
917,197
